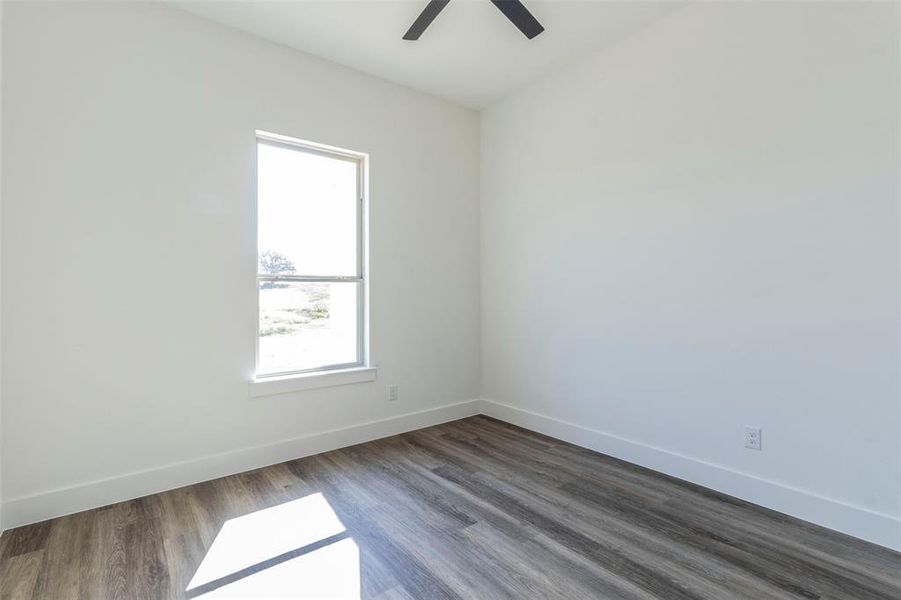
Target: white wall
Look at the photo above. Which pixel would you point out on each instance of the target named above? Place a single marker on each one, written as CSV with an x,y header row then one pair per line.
x,y
128,258
698,229
1,278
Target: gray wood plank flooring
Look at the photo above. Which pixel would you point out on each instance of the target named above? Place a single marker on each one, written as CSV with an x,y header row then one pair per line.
x,y
475,509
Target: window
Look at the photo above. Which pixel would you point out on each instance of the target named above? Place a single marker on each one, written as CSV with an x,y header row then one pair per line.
x,y
310,244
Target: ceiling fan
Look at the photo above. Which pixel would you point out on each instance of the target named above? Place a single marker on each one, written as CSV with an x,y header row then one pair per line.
x,y
514,10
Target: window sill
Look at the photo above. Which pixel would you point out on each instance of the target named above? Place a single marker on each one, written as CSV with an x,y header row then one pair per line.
x,y
270,386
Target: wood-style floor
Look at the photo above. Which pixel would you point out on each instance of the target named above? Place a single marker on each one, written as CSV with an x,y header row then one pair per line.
x,y
470,509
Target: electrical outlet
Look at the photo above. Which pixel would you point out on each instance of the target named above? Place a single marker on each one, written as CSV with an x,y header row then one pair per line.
x,y
752,438
392,392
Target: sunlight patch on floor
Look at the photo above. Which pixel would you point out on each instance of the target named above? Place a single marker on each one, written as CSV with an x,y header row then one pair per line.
x,y
299,549
332,571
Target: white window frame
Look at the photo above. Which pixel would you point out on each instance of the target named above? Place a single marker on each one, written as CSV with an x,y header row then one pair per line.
x,y
354,372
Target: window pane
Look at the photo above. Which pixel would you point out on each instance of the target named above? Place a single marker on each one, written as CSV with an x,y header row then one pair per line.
x,y
307,212
307,325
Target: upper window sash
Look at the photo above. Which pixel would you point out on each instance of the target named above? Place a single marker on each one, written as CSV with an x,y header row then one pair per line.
x,y
331,152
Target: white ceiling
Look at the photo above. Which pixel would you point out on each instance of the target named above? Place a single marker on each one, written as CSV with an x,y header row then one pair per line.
x,y
470,54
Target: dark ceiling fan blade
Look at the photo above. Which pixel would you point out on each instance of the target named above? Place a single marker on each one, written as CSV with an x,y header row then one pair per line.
x,y
520,16
425,18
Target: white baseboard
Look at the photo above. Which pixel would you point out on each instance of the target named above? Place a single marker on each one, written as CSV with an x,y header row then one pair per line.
x,y
856,521
853,520
55,503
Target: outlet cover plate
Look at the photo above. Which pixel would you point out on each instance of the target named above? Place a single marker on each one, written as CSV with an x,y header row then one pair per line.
x,y
753,438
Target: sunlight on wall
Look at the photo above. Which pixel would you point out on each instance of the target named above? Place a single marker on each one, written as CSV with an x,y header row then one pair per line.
x,y
299,549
